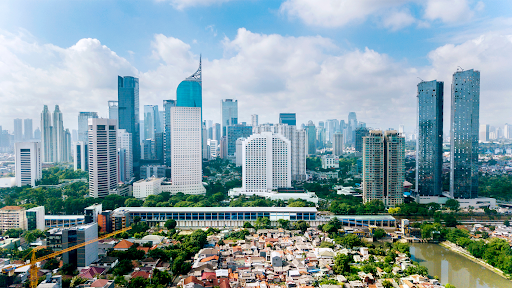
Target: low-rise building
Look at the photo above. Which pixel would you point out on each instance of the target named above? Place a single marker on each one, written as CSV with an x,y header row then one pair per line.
x,y
12,217
330,161
145,187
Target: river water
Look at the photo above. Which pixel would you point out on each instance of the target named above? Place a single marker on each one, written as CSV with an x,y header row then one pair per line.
x,y
455,269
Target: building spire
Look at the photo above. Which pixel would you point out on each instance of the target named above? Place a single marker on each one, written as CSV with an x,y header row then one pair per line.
x,y
197,75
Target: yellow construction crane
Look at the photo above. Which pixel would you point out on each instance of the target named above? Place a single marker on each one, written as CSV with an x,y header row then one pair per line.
x,y
33,267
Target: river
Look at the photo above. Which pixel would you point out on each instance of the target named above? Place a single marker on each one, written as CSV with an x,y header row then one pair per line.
x,y
455,269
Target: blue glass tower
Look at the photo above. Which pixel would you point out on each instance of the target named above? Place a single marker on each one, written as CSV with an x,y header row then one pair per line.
x,y
128,112
190,91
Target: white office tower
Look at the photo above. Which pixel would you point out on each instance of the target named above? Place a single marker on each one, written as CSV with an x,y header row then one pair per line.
x,y
28,163
18,130
212,148
59,137
204,142
507,130
29,134
298,148
83,124
46,135
337,144
254,120
186,162
125,155
81,157
238,153
266,163
103,176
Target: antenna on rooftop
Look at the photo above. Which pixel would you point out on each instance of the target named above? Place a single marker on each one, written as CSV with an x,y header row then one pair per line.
x,y
458,67
420,79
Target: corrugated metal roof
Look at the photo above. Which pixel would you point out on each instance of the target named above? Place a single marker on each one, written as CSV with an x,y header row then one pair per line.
x,y
219,209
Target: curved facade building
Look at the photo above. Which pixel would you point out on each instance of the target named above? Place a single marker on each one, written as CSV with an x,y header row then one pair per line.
x,y
190,91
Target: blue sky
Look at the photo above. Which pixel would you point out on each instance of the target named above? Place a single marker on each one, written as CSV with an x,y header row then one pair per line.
x,y
320,59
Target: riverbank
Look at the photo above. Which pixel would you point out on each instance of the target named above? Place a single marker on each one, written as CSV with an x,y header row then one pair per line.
x,y
461,251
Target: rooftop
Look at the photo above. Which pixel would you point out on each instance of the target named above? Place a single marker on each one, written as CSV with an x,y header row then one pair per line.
x,y
11,208
218,209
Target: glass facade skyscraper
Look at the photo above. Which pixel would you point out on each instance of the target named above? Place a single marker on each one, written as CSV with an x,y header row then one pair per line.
x,y
128,112
429,147
464,134
151,121
287,118
229,114
190,91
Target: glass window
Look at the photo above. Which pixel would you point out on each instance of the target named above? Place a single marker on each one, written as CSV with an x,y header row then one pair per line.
x,y
195,216
208,216
201,216
188,216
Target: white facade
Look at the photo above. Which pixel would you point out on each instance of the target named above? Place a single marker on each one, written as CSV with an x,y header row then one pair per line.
x,y
125,154
212,149
103,177
238,153
28,163
186,164
254,120
39,217
145,187
330,161
266,162
80,157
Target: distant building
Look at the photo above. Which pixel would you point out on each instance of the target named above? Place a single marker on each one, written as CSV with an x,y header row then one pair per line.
x,y
103,177
149,171
429,152
238,153
229,114
311,134
12,217
28,163
113,109
124,155
145,187
83,125
338,144
59,239
81,157
35,218
484,133
128,113
233,133
28,135
151,121
223,148
287,118
464,134
18,130
384,167
360,133
254,120
167,130
330,161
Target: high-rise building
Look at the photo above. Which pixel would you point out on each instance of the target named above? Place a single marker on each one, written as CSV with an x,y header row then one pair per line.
x,y
204,141
81,157
464,134
429,150
507,131
233,133
254,120
401,127
159,147
28,129
311,134
28,163
128,113
223,148
216,132
113,109
18,130
151,121
37,134
384,167
298,150
59,138
74,135
103,178
12,217
287,118
229,114
46,135
125,155
352,126
148,151
62,238
484,133
83,125
35,218
167,130
359,134
331,127
266,162
186,162
190,91
338,144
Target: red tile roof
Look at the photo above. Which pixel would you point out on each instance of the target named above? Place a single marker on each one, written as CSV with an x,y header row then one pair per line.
x,y
99,283
124,244
91,272
142,274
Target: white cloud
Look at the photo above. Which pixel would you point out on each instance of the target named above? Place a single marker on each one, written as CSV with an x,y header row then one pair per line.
x,y
182,4
394,14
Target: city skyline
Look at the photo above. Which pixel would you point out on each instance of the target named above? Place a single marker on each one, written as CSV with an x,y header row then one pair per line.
x,y
385,83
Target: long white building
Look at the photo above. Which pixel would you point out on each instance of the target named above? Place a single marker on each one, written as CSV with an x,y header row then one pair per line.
x,y
186,151
28,163
266,162
103,176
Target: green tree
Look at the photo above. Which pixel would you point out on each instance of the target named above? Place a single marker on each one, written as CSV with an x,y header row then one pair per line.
x,y
283,223
77,281
379,233
342,264
448,285
302,225
262,223
450,220
170,224
138,282
506,223
248,225
387,284
124,267
452,204
350,241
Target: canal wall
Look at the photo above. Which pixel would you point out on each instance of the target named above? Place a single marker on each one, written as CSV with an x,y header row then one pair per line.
x,y
461,251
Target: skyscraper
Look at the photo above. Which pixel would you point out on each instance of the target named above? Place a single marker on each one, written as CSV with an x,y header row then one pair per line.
x,y
46,135
128,113
59,138
83,125
229,114
167,130
484,133
287,118
464,134
266,159
429,150
18,130
298,144
190,91
359,134
28,163
311,134
384,167
254,120
233,133
103,177
151,121
125,155
186,162
28,129
352,126
113,107
81,157
337,144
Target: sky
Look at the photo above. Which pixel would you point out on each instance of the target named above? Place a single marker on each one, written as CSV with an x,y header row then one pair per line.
x,y
320,59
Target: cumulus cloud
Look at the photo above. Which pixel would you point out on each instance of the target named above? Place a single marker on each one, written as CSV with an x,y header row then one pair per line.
x,y
182,4
392,13
268,74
